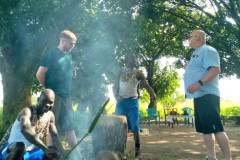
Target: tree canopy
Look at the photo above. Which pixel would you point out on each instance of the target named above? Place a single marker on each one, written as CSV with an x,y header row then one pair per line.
x,y
220,19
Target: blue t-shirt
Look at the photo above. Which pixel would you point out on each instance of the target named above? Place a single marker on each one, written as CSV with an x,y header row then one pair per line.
x,y
59,74
202,58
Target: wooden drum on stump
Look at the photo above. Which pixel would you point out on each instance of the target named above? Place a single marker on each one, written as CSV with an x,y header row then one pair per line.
x,y
110,134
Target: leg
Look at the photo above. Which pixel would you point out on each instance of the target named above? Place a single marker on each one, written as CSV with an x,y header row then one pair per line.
x,y
136,138
209,140
223,143
211,123
72,141
137,145
71,138
66,122
16,151
49,140
134,124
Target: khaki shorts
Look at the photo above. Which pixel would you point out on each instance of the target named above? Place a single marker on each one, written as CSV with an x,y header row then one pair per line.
x,y
63,112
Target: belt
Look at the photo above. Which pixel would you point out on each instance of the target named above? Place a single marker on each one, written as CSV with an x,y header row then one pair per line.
x,y
121,98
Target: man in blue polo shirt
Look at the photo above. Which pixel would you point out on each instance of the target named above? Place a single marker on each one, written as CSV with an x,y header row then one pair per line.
x,y
201,83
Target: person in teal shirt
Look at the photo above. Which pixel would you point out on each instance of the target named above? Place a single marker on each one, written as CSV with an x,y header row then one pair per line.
x,y
55,72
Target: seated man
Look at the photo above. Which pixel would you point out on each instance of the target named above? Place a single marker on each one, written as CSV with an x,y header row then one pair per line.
x,y
23,139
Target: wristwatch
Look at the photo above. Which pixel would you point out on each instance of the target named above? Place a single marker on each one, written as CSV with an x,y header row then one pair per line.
x,y
200,82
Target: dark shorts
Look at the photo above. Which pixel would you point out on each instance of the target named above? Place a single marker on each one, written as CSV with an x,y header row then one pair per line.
x,y
129,108
63,112
207,114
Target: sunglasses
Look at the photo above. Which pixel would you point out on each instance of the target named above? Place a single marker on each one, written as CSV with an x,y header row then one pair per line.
x,y
71,43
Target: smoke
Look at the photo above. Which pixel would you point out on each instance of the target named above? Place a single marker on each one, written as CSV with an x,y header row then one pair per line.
x,y
104,32
1,91
102,39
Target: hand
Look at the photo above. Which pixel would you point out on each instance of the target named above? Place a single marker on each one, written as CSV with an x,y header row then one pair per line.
x,y
52,154
185,65
193,87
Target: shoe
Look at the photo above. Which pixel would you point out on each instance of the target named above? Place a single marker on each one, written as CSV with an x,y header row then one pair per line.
x,y
138,154
208,158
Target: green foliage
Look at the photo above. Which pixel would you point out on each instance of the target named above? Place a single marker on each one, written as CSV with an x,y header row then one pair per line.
x,y
233,111
165,83
174,100
228,108
36,87
144,96
110,108
2,131
34,100
221,25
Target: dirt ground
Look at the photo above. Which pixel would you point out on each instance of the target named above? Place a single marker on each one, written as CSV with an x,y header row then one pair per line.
x,y
161,142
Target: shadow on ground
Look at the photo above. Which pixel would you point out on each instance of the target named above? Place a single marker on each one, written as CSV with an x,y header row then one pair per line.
x,y
161,142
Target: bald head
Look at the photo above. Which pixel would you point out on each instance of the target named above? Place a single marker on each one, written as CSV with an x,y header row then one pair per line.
x,y
46,101
197,38
201,34
48,93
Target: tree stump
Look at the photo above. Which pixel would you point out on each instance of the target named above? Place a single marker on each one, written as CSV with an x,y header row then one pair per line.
x,y
110,134
107,155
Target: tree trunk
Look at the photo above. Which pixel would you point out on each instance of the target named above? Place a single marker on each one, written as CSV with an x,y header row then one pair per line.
x,y
152,104
17,95
18,66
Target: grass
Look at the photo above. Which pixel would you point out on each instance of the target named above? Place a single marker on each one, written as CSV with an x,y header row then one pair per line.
x,y
225,105
2,131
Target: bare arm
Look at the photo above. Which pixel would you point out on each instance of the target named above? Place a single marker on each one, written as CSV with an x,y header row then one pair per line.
x,y
41,75
54,134
145,84
28,131
211,74
30,134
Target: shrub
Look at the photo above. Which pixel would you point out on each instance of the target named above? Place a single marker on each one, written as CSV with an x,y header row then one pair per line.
x,y
231,111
